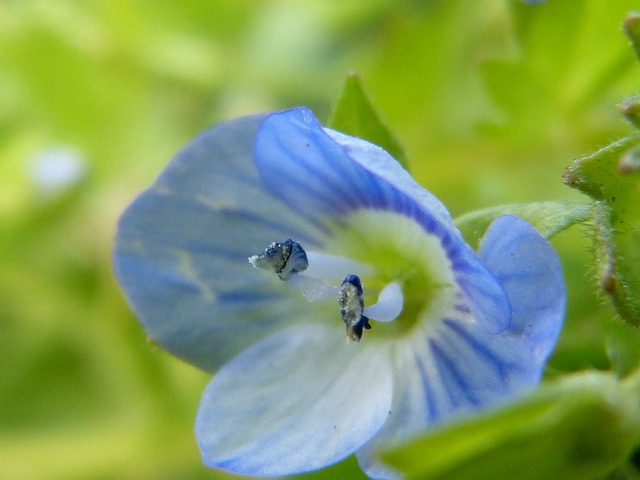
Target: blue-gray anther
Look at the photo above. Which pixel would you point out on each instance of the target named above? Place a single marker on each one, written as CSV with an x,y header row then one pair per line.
x,y
351,300
285,259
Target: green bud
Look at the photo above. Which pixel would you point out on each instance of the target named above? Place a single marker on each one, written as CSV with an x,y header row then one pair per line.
x,y
617,259
630,108
610,176
629,162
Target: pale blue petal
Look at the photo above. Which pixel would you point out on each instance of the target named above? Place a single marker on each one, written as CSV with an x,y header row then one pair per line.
x,y
297,401
182,247
456,367
412,410
530,271
303,165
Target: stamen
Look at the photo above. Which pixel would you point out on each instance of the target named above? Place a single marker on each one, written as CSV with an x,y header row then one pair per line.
x,y
389,305
313,289
351,300
285,259
330,268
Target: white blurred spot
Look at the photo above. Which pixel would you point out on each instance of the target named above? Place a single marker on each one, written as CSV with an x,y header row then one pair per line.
x,y
54,170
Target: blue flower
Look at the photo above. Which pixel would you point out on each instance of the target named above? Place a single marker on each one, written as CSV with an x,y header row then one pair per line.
x,y
267,237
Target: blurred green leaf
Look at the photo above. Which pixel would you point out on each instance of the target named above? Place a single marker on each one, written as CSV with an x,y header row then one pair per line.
x,y
580,427
623,352
557,69
632,29
427,84
549,218
355,115
608,176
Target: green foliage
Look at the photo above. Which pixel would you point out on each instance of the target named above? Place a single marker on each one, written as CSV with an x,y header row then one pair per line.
x,y
612,177
577,428
355,115
490,100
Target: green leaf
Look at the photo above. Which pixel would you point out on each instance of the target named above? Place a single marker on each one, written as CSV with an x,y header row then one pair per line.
x,y
580,427
549,218
355,115
611,176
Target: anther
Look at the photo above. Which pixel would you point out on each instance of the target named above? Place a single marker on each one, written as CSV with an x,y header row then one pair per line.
x,y
351,300
285,259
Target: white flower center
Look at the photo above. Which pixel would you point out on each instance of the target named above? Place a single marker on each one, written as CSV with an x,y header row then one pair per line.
x,y
401,270
318,278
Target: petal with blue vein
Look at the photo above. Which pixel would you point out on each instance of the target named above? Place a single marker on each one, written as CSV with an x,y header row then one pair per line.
x,y
437,376
296,401
412,410
456,366
301,164
182,247
478,368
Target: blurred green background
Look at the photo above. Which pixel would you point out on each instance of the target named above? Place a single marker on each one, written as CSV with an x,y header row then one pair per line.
x,y
490,98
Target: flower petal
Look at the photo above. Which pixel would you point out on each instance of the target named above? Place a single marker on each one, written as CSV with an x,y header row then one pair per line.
x,y
411,411
297,401
302,163
182,246
440,375
459,367
324,173
531,273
